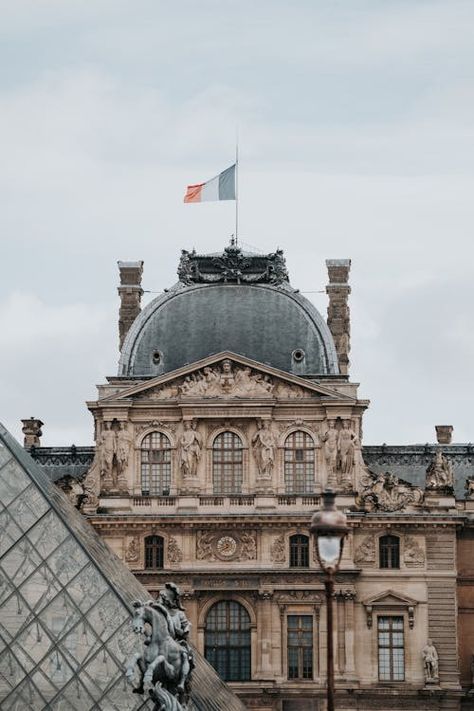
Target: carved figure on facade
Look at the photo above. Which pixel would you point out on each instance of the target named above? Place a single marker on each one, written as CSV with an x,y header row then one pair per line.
x,y
430,662
386,492
124,445
175,554
469,487
365,552
439,475
264,449
132,552
190,445
331,440
166,663
346,444
73,488
413,553
91,486
278,550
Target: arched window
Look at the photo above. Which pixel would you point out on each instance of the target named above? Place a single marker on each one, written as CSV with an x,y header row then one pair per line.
x,y
156,464
299,463
389,552
227,463
299,551
227,640
154,552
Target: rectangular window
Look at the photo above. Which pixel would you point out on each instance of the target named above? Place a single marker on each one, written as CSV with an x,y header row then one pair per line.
x,y
391,649
300,646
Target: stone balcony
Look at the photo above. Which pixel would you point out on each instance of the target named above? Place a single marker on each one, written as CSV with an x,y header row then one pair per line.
x,y
212,504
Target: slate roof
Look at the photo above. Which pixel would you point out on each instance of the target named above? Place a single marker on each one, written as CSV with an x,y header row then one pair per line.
x,y
65,599
231,301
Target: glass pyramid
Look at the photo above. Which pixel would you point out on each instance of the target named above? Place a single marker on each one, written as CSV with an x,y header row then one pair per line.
x,y
65,630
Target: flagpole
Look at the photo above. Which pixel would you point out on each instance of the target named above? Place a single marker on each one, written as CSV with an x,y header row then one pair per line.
x,y
237,190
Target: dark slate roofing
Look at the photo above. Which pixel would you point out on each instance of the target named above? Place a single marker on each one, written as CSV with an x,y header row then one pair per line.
x,y
410,462
242,303
65,627
59,462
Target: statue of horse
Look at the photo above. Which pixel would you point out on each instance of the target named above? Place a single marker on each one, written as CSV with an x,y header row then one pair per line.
x,y
164,701
164,660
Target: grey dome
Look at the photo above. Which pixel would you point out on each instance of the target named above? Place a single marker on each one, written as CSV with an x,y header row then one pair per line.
x,y
268,323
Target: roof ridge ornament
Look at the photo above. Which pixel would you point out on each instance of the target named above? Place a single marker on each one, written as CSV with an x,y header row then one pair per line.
x,y
232,266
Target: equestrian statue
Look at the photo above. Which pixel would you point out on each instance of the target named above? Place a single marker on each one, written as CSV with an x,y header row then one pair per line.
x,y
167,660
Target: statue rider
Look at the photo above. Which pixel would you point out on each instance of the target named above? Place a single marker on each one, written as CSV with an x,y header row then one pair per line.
x,y
178,624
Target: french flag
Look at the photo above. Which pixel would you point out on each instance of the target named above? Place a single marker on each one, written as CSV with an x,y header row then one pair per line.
x,y
222,187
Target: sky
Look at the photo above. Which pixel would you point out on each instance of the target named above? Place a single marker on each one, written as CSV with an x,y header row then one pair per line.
x,y
356,127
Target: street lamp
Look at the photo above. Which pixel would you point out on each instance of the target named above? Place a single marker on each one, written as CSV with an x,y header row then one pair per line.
x,y
329,528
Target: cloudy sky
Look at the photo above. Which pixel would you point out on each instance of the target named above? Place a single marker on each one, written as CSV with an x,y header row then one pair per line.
x,y
356,140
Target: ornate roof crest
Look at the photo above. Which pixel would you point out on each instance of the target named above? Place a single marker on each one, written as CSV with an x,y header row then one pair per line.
x,y
232,266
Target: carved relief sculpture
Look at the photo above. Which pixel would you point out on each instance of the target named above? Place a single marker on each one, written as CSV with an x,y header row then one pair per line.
x,y
430,663
264,449
365,552
385,492
132,552
190,445
175,554
227,380
278,550
439,475
413,554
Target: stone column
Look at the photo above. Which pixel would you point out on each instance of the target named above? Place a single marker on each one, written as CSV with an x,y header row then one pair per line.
x,y
341,641
130,292
338,319
349,632
265,635
32,431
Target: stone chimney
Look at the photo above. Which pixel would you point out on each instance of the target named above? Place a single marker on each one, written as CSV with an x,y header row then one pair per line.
x,y
130,292
32,431
444,434
339,320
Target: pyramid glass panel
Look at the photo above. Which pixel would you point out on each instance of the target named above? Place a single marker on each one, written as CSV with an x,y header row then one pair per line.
x,y
65,605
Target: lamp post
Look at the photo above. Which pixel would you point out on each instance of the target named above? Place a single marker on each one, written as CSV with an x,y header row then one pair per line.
x,y
329,528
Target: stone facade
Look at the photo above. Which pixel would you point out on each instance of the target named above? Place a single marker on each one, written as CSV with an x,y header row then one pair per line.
x,y
208,476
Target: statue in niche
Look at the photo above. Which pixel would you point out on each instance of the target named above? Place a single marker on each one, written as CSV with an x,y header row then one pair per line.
x,y
430,662
439,474
108,449
330,440
264,448
190,444
124,447
346,443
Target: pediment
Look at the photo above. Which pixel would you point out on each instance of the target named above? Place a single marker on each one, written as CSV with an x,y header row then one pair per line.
x,y
389,598
228,376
